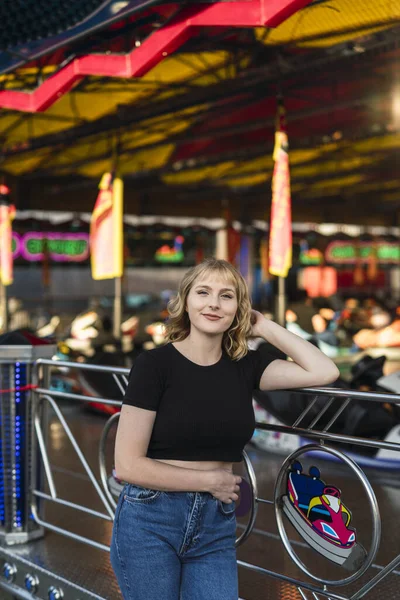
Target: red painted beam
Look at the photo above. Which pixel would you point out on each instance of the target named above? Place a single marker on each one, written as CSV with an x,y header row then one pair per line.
x,y
164,41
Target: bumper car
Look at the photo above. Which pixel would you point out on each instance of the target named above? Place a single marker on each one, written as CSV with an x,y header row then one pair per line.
x,y
318,514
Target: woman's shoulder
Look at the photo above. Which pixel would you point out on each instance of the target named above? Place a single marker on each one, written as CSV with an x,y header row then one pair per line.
x,y
158,354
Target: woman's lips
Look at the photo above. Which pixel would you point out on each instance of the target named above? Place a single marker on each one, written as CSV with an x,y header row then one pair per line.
x,y
212,317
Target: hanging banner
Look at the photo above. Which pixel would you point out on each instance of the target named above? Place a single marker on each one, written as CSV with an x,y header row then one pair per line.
x,y
106,230
280,242
7,213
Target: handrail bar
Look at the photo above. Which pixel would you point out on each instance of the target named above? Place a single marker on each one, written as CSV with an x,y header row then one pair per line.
x,y
334,437
345,393
82,366
80,397
321,391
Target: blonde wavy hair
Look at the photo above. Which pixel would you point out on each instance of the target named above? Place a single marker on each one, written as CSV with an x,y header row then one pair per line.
x,y
234,340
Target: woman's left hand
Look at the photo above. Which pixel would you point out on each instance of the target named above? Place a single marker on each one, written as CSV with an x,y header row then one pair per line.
x,y
256,320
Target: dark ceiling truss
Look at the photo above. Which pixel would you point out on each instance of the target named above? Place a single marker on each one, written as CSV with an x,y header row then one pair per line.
x,y
40,117
216,133
249,80
154,127
381,157
266,149
90,85
235,91
357,31
18,121
382,167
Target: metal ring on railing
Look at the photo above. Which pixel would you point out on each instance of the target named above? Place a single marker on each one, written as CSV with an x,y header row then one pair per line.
x,y
254,503
376,520
102,458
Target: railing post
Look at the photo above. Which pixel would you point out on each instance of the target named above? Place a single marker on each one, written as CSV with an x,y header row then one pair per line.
x,y
18,460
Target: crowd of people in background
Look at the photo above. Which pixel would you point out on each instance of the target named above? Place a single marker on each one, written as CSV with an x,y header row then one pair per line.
x,y
337,326
351,324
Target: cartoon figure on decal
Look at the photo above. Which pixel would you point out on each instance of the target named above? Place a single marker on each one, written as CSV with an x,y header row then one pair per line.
x,y
318,514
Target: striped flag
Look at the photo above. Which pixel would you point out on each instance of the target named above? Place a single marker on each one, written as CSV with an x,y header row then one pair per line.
x,y
106,229
280,241
7,214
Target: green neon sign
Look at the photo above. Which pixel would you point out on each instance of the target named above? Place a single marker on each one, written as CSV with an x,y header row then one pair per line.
x,y
343,252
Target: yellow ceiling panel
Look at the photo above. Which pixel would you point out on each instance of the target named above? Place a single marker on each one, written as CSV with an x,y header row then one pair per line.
x,y
379,186
263,162
100,97
339,182
191,176
306,155
330,167
17,165
247,180
95,169
128,164
390,197
29,77
332,22
388,142
190,65
147,159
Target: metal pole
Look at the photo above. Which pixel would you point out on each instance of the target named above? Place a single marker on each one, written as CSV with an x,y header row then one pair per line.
x,y
118,307
281,302
3,308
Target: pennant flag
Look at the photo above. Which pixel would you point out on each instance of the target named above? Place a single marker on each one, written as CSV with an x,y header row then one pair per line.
x,y
106,229
280,241
7,214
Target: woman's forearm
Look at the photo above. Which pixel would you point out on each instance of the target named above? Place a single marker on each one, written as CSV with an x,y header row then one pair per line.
x,y
303,353
153,474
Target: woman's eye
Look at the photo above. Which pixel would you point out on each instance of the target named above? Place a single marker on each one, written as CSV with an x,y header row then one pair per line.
x,y
227,296
202,292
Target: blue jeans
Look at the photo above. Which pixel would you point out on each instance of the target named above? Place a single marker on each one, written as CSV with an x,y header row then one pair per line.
x,y
174,546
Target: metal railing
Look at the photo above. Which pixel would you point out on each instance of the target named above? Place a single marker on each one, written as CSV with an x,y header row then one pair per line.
x,y
314,411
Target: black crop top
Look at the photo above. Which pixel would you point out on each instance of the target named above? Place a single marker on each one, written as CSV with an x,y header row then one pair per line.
x,y
203,412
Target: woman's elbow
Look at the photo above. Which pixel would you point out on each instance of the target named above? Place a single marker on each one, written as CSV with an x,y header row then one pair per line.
x,y
330,374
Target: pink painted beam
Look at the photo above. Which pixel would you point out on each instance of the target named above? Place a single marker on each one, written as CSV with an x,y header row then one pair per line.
x,y
164,41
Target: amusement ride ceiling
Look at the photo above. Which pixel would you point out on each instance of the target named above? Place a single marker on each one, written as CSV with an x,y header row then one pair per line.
x,y
195,132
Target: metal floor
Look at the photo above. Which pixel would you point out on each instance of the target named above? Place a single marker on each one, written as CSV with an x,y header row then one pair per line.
x,y
90,568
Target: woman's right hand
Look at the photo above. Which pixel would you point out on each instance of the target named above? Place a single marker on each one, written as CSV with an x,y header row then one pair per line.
x,y
224,485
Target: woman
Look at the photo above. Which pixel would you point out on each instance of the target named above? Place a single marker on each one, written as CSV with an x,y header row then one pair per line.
x,y
186,416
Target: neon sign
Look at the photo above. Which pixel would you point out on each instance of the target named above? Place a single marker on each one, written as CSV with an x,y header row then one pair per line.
x,y
310,256
59,247
175,254
343,252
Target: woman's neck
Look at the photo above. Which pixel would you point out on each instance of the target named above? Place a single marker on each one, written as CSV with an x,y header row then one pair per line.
x,y
200,349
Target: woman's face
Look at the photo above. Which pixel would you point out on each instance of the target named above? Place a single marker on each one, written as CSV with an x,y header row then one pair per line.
x,y
212,304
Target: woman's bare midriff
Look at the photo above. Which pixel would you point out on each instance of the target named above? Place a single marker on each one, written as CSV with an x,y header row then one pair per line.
x,y
201,465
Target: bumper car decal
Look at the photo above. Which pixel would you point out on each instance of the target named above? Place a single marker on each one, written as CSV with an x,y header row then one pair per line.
x,y
318,514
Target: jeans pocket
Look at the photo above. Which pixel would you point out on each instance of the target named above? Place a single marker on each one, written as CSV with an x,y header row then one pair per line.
x,y
119,505
228,510
136,494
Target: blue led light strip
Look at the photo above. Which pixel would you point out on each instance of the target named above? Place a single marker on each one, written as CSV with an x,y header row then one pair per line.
x,y
19,443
